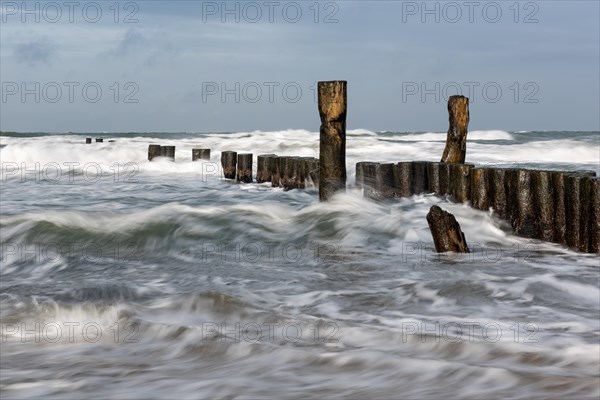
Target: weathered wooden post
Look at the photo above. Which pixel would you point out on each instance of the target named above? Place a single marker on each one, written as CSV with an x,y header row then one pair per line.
x,y
560,210
497,192
88,140
292,167
263,173
480,193
228,163
369,179
332,158
419,182
456,140
446,231
460,182
360,174
403,179
433,177
444,178
384,181
99,140
273,165
519,199
168,152
594,233
200,154
313,172
154,150
543,204
244,168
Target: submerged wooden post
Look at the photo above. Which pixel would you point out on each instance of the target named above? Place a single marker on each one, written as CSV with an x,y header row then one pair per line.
x,y
560,210
228,163
594,228
244,168
403,179
263,173
369,179
313,171
460,182
99,140
360,174
154,150
384,181
332,158
480,192
519,201
497,192
88,140
168,152
543,204
444,178
446,231
419,182
200,154
433,177
456,141
273,165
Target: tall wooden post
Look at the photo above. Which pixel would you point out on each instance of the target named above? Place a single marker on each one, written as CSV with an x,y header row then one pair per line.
x,y
154,150
228,163
332,157
456,141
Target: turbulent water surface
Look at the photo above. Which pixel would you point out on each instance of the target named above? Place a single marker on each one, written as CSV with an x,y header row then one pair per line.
x,y
123,278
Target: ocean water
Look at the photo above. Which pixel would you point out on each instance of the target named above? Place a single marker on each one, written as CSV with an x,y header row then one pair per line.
x,y
122,278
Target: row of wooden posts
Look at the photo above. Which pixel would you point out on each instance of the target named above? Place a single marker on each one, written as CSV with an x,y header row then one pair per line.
x,y
556,206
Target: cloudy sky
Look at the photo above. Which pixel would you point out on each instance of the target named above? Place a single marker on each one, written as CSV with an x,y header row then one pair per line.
x,y
240,66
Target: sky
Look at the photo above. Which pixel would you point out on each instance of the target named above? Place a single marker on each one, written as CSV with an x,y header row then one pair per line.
x,y
215,66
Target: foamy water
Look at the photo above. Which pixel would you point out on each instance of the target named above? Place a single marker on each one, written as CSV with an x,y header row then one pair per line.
x,y
163,280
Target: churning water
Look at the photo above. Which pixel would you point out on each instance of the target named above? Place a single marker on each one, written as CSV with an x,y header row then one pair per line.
x,y
122,278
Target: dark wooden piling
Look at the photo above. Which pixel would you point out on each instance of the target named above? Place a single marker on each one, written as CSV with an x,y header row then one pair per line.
x,y
228,163
419,183
403,179
444,178
200,154
543,204
273,167
460,182
456,140
99,140
244,168
573,209
370,179
332,110
168,152
519,201
384,181
446,232
313,172
594,213
359,177
154,150
433,177
560,209
263,172
292,167
88,140
480,189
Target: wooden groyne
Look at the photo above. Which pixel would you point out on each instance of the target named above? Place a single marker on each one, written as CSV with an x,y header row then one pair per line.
x,y
555,206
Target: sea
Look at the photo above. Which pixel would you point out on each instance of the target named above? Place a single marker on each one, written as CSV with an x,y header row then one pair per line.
x,y
127,279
